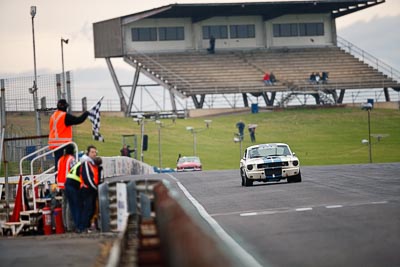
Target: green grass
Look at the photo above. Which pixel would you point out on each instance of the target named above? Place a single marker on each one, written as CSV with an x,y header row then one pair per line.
x,y
318,136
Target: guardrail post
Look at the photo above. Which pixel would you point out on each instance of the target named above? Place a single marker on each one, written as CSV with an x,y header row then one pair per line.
x,y
132,198
145,206
104,205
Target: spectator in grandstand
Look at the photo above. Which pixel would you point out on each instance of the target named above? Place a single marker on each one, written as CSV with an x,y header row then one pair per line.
x,y
317,78
324,77
272,78
267,79
211,49
240,125
60,128
312,78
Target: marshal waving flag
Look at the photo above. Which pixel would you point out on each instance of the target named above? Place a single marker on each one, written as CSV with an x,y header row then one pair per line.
x,y
94,117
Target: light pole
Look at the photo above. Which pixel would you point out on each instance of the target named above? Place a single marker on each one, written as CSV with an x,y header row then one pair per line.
x,y
161,125
34,88
195,131
63,72
368,107
140,120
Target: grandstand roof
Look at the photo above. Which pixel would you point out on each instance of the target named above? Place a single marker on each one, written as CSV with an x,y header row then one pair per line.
x,y
268,10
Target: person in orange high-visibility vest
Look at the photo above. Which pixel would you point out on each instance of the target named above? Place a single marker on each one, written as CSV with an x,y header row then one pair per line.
x,y
90,181
60,128
65,163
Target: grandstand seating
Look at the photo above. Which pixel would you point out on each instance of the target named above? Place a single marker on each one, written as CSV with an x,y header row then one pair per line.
x,y
196,73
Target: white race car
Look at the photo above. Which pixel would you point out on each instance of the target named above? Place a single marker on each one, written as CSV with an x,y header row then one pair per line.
x,y
269,162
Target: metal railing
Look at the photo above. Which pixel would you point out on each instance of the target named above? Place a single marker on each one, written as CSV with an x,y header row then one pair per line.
x,y
369,59
164,69
44,174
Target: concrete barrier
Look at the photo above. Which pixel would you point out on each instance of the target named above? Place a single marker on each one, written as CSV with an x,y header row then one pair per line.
x,y
183,241
117,166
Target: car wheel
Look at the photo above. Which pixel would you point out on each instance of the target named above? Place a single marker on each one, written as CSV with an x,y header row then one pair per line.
x,y
294,179
297,178
241,176
247,181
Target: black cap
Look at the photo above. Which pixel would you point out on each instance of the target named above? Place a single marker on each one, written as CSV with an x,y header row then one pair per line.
x,y
62,104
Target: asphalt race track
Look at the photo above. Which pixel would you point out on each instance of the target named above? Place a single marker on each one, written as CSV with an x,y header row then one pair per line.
x,y
344,215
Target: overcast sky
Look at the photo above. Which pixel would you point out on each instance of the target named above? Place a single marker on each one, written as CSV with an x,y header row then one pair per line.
x,y
375,29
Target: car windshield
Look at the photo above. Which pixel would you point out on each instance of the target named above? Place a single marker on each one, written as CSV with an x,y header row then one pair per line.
x,y
189,159
267,150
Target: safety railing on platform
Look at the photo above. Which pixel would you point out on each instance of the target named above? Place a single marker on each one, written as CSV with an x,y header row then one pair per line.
x,y
368,58
34,180
164,69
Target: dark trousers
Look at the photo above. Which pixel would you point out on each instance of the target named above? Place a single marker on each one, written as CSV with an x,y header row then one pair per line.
x,y
88,197
72,192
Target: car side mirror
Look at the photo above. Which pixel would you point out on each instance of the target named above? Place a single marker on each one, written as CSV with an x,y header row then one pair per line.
x,y
294,154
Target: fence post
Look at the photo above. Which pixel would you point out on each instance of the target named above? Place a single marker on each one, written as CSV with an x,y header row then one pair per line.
x,y
69,98
58,83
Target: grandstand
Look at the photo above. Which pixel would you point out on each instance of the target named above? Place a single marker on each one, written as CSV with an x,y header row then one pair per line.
x,y
291,38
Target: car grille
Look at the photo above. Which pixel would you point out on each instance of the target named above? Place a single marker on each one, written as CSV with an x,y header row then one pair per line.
x,y
273,172
272,165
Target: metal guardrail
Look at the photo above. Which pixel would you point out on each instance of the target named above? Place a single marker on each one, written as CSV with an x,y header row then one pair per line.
x,y
368,58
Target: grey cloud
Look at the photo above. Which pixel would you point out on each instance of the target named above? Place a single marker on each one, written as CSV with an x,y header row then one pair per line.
x,y
378,37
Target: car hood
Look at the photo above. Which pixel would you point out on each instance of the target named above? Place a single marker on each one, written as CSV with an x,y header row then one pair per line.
x,y
189,164
270,159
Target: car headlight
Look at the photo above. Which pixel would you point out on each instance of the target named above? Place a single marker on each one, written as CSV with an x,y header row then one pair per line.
x,y
249,167
295,162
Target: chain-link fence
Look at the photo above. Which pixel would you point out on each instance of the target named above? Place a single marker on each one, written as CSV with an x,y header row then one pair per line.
x,y
50,88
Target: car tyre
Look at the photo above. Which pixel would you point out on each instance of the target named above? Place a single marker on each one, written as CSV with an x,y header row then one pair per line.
x,y
294,179
247,181
242,176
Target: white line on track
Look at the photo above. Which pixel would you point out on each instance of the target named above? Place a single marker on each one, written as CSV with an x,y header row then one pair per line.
x,y
238,250
303,209
249,214
334,206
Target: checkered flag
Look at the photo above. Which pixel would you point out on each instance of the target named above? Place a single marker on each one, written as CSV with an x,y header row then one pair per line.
x,y
94,117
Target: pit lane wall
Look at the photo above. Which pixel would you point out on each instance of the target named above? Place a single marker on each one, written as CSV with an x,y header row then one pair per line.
x,y
117,166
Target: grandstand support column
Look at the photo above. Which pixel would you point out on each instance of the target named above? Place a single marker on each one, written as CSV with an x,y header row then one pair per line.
x,y
387,95
317,98
173,102
133,90
245,100
341,96
117,85
198,104
334,95
269,101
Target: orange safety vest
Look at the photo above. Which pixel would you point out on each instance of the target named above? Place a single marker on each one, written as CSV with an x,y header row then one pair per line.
x,y
59,133
64,166
95,171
